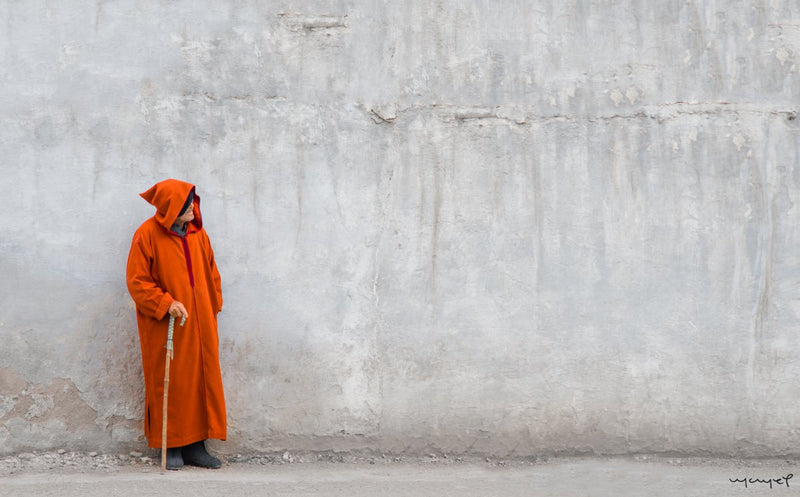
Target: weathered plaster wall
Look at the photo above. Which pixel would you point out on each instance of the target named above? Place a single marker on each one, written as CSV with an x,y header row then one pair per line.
x,y
498,227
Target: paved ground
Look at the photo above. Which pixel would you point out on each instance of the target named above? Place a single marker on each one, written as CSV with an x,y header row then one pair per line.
x,y
84,476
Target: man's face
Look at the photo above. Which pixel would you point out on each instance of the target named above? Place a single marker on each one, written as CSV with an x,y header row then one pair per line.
x,y
188,215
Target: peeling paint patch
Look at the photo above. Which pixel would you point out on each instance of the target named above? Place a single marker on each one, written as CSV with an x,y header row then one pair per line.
x,y
41,404
59,401
782,54
632,94
739,140
6,404
616,97
68,57
10,381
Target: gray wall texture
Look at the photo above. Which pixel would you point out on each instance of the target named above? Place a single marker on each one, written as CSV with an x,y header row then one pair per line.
x,y
513,227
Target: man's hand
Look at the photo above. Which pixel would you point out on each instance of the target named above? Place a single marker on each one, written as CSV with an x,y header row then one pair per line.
x,y
178,310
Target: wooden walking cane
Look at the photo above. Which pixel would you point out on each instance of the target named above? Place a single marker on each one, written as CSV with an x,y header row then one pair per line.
x,y
170,355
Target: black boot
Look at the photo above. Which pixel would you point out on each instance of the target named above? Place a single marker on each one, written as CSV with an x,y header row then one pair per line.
x,y
174,458
196,455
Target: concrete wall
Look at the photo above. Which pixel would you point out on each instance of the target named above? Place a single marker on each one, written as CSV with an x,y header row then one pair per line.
x,y
491,227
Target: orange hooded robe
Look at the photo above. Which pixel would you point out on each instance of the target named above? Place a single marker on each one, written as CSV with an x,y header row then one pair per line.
x,y
164,267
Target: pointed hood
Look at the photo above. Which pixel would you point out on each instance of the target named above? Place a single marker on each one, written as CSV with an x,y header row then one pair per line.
x,y
169,197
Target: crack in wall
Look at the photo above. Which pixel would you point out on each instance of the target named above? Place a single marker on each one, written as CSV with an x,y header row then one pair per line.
x,y
310,23
501,115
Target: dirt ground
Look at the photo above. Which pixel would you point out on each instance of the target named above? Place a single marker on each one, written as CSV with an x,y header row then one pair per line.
x,y
68,474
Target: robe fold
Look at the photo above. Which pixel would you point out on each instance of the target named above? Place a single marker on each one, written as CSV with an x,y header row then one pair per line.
x,y
164,267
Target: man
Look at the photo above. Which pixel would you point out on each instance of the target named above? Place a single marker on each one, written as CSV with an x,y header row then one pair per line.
x,y
171,270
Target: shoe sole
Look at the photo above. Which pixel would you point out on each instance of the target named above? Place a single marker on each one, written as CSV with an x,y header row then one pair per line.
x,y
197,465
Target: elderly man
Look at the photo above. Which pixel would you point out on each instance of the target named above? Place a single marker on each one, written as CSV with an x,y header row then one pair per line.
x,y
171,270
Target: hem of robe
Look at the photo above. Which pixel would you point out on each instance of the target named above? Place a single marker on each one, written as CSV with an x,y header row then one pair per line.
x,y
172,443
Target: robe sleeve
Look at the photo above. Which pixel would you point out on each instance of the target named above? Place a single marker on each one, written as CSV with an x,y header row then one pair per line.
x,y
150,299
214,274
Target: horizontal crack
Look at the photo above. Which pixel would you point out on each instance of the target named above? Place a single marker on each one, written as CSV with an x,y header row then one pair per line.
x,y
311,23
660,113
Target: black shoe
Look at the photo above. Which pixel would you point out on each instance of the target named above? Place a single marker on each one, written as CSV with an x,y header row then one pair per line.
x,y
174,459
196,455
